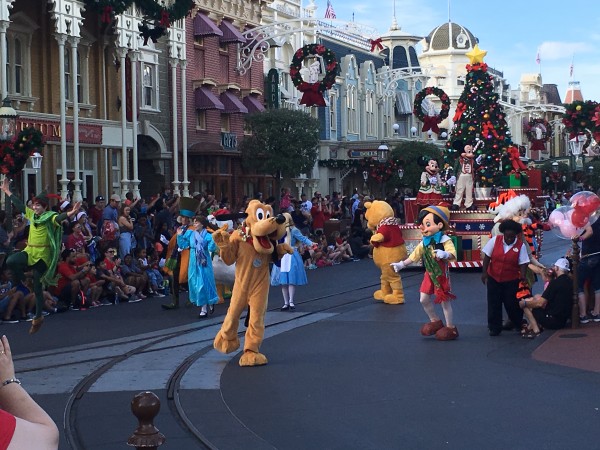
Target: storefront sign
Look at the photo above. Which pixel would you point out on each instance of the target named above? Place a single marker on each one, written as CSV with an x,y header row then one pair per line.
x,y
88,134
229,141
272,86
362,153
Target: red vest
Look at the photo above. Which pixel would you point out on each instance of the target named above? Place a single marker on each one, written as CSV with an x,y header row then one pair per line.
x,y
505,266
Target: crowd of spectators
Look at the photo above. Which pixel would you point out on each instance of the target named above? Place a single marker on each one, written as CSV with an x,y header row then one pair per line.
x,y
114,249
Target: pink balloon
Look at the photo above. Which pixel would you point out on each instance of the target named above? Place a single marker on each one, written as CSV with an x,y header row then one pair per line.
x,y
568,230
580,218
585,201
561,222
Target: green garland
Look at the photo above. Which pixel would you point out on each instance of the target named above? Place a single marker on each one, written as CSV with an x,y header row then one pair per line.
x,y
154,12
14,154
108,9
331,65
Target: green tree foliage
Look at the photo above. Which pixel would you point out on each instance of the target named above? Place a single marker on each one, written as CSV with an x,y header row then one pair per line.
x,y
407,154
282,142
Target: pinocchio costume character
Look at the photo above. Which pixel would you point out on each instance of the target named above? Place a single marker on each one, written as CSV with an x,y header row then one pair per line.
x,y
176,265
435,250
42,252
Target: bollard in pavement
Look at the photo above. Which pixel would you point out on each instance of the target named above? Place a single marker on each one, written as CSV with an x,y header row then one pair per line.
x,y
575,259
145,407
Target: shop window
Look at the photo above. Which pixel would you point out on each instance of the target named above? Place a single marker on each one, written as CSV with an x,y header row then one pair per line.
x,y
200,120
225,123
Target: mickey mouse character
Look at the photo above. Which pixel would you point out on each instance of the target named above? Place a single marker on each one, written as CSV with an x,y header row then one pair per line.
x,y
436,249
466,174
430,189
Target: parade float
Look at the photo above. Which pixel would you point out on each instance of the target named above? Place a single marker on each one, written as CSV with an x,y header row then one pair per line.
x,y
496,168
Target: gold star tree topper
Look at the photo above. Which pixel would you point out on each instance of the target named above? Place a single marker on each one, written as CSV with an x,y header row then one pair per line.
x,y
476,55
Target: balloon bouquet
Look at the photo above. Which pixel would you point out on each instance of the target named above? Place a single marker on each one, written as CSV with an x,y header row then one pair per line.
x,y
570,220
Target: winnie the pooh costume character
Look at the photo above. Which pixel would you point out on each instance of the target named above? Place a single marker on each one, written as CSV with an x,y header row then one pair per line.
x,y
389,247
251,248
436,249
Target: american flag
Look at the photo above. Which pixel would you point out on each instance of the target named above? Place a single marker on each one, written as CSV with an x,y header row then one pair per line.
x,y
329,12
571,70
537,58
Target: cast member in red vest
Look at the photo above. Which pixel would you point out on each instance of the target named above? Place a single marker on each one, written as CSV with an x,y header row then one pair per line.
x,y
505,261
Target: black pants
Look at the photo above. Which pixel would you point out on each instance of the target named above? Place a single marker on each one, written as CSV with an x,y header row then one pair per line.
x,y
499,294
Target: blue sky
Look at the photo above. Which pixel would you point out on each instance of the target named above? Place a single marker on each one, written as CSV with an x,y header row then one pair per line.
x,y
510,31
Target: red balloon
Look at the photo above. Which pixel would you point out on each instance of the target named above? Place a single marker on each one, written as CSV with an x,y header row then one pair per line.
x,y
579,218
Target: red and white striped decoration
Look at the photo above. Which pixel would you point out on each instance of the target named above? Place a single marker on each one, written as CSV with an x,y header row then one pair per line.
x,y
465,264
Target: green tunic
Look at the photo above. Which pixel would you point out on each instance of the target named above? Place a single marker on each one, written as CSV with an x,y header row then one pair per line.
x,y
44,240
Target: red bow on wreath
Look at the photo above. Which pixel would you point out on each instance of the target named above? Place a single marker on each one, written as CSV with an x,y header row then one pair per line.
x,y
517,164
376,43
431,123
164,19
311,96
107,14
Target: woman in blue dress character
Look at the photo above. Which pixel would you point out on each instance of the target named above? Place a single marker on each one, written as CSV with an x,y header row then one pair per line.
x,y
291,272
201,279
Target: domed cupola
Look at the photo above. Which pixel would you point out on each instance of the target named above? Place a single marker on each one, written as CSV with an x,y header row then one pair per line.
x,y
449,36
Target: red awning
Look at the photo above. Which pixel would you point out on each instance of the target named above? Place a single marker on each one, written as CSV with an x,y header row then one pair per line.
x,y
230,33
203,26
205,99
232,103
253,104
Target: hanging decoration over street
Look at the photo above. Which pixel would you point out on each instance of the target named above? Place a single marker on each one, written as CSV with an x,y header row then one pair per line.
x,y
157,17
427,115
538,131
313,89
14,154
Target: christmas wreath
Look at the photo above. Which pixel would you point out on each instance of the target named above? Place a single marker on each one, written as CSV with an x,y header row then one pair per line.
x,y
161,16
538,131
578,116
155,12
431,122
313,92
14,154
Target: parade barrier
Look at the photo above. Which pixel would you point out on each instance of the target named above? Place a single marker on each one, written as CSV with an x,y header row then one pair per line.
x,y
145,406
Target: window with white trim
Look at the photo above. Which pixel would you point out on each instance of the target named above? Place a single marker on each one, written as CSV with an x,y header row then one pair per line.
x,y
18,55
149,78
69,78
332,111
351,99
370,110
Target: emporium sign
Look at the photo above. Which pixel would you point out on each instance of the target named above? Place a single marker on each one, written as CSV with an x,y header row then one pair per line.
x,y
88,134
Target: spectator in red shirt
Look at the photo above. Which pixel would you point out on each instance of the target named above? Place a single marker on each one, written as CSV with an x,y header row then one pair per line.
x,y
318,216
76,240
95,213
72,279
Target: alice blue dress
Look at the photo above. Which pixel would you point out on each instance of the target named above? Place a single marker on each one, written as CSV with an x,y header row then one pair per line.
x,y
201,279
297,273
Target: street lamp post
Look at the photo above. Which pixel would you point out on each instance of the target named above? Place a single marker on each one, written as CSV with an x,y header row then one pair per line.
x,y
555,176
36,161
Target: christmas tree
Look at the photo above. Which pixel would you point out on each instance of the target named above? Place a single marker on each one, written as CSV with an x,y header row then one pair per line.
x,y
479,117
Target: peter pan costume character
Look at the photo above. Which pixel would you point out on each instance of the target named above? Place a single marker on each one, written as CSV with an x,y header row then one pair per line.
x,y
43,247
435,250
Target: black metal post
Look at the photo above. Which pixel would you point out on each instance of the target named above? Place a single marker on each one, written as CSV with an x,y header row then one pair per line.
x,y
575,259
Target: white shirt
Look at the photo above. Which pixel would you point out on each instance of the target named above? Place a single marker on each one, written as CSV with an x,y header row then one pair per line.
x,y
489,248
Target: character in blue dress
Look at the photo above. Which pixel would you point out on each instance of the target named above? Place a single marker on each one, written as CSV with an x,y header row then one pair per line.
x,y
291,272
201,280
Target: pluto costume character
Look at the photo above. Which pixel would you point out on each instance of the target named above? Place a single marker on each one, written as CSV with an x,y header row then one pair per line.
x,y
389,247
435,250
251,248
